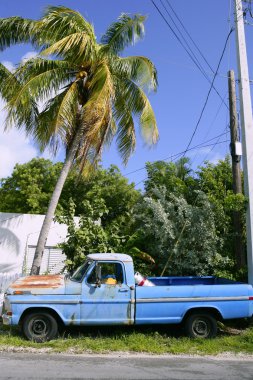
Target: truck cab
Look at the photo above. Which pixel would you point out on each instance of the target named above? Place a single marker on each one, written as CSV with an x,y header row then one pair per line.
x,y
100,292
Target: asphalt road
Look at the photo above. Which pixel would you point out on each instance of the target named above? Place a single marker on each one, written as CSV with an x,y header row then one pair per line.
x,y
50,366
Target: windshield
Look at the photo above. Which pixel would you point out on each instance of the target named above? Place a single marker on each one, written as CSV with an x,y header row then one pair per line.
x,y
80,272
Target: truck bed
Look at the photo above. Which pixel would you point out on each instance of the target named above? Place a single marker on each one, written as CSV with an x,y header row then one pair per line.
x,y
191,280
172,297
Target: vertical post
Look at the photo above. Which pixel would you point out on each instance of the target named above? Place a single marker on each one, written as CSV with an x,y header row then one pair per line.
x,y
247,129
236,170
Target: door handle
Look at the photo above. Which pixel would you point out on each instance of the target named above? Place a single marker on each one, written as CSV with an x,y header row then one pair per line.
x,y
123,290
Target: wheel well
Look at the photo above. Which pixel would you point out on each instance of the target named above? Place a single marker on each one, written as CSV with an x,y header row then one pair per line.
x,y
41,309
208,310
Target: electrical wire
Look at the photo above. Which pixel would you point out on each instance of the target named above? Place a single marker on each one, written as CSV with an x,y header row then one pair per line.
x,y
187,48
178,154
203,146
196,62
209,92
188,34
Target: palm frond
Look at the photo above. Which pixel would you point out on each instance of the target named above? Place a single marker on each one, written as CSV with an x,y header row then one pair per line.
x,y
20,116
15,30
60,22
6,76
36,79
75,47
97,117
138,103
126,31
58,118
136,68
63,18
148,124
126,138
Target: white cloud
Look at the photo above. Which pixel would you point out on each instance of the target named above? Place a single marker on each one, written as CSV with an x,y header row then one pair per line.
x,y
9,65
15,147
216,157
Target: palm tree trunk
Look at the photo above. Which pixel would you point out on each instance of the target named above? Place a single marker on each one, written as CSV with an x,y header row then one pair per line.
x,y
35,270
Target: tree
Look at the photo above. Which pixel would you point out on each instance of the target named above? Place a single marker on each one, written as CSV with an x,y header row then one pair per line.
x,y
216,181
180,237
89,233
29,188
176,177
85,234
93,92
109,184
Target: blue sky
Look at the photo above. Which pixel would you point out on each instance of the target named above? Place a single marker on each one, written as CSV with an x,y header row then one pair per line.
x,y
182,88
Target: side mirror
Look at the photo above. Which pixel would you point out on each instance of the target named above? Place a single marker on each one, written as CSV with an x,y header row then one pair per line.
x,y
98,276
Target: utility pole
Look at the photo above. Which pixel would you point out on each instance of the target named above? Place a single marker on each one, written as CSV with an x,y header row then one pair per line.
x,y
247,129
235,148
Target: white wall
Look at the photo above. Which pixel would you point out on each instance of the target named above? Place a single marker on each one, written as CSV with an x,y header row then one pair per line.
x,y
17,232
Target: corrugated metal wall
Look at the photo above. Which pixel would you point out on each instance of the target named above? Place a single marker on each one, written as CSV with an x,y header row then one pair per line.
x,y
52,260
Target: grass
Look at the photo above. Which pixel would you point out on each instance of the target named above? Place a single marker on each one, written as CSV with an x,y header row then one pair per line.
x,y
155,340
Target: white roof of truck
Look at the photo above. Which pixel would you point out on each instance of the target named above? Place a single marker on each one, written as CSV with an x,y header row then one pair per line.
x,y
110,257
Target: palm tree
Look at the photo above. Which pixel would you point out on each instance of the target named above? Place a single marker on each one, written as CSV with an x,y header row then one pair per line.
x,y
90,92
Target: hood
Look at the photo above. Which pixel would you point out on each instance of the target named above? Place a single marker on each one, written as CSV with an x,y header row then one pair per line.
x,y
51,284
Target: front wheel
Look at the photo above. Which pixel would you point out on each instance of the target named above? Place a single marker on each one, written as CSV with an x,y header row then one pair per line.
x,y
201,325
40,327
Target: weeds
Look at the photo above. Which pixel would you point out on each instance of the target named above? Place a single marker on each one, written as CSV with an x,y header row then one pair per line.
x,y
156,340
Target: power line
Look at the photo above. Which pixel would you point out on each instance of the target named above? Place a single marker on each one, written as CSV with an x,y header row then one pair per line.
x,y
203,146
211,124
209,92
188,49
190,53
188,34
178,154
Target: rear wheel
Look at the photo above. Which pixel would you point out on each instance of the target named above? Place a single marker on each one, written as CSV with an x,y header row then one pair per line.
x,y
201,325
40,327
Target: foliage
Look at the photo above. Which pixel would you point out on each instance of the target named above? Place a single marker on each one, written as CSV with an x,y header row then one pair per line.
x,y
89,233
29,188
30,185
85,234
178,232
108,184
176,177
216,182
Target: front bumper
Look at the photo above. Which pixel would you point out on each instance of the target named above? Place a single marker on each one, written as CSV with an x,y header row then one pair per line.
x,y
6,319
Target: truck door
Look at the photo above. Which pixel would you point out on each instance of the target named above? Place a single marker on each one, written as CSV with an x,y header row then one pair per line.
x,y
106,300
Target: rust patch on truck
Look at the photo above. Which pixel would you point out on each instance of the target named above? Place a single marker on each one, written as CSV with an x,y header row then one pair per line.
x,y
51,281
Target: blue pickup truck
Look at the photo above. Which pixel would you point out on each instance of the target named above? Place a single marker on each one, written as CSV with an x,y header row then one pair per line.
x,y
103,291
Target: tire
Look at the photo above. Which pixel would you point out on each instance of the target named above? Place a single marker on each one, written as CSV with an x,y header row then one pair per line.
x,y
201,325
40,327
